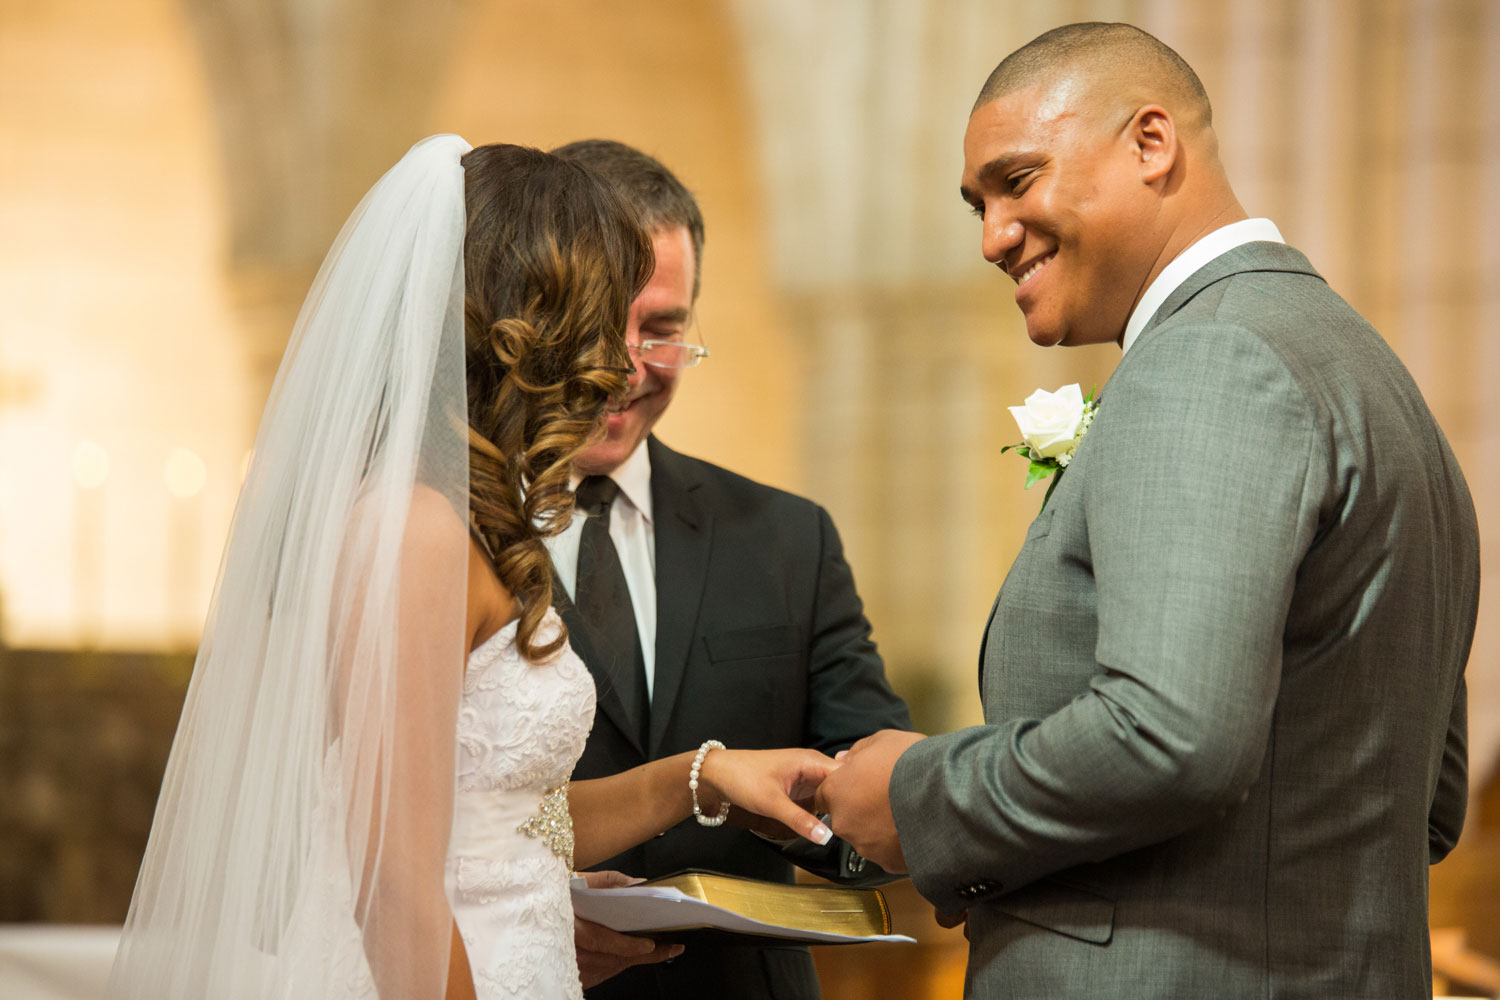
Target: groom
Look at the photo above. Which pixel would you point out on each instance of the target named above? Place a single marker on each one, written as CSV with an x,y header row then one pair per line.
x,y
1223,680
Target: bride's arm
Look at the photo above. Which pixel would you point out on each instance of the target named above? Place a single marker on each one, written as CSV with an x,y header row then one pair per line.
x,y
615,813
397,727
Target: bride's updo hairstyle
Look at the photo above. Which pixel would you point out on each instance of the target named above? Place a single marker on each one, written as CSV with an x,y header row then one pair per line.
x,y
552,261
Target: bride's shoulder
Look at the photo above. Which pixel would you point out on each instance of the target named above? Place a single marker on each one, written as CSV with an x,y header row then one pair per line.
x,y
435,540
427,523
433,515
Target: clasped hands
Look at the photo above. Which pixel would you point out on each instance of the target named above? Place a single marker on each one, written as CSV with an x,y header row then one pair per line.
x,y
776,792
788,787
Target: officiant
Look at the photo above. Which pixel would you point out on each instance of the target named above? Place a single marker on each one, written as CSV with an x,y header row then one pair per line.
x,y
708,607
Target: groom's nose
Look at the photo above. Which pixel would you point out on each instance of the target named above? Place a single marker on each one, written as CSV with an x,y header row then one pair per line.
x,y
1001,235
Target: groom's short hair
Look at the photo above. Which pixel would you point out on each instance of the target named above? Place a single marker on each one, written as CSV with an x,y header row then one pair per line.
x,y
1100,46
662,201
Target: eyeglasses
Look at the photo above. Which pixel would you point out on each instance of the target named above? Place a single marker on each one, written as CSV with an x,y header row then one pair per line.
x,y
668,353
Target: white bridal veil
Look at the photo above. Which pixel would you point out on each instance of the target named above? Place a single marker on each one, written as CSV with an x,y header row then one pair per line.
x,y
299,841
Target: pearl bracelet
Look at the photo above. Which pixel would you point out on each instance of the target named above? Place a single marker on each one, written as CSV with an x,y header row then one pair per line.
x,y
693,787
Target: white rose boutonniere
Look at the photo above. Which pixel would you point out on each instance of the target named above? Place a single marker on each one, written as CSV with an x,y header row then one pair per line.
x,y
1052,424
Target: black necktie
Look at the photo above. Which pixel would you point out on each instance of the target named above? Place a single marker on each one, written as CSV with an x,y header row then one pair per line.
x,y
603,600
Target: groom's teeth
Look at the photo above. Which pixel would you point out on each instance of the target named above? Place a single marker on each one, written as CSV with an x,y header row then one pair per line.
x,y
1033,269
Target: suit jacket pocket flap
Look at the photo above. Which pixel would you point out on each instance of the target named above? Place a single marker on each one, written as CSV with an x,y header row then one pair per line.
x,y
1067,909
749,643
1040,525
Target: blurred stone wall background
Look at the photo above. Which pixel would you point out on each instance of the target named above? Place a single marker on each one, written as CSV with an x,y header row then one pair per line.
x,y
84,740
171,172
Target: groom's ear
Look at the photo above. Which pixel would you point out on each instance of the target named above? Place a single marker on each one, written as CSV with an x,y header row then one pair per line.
x,y
1153,141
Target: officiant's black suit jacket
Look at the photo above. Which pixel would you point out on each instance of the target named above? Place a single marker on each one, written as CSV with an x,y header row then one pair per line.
x,y
761,642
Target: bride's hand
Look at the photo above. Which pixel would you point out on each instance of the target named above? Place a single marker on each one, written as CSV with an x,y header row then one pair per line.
x,y
769,783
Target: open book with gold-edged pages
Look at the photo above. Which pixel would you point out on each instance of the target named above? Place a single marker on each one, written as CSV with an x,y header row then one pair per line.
x,y
692,902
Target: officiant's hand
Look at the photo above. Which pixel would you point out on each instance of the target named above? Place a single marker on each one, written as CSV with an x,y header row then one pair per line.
x,y
776,784
858,800
602,952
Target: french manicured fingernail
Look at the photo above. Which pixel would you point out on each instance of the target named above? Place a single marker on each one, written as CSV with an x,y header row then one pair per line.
x,y
634,881
841,755
821,834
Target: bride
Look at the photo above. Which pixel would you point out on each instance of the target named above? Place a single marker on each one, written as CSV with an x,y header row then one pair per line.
x,y
368,792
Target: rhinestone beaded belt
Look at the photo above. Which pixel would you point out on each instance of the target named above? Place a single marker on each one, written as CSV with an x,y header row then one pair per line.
x,y
553,824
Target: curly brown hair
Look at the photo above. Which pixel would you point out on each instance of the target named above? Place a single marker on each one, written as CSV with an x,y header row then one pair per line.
x,y
552,260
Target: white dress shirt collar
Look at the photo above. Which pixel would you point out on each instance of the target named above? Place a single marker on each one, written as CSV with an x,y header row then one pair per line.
x,y
1183,266
633,476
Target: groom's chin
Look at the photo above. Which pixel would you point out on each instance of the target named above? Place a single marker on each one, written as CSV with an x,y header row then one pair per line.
x,y
1043,335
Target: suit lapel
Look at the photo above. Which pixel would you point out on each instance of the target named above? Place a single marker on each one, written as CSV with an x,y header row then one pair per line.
x,y
684,531
584,644
984,645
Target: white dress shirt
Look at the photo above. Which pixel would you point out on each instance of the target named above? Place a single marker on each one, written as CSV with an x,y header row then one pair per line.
x,y
630,528
1183,266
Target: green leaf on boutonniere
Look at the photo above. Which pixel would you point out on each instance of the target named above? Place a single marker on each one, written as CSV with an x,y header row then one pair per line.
x,y
1037,473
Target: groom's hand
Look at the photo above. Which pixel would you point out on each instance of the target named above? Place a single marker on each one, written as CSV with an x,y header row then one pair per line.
x,y
951,920
857,796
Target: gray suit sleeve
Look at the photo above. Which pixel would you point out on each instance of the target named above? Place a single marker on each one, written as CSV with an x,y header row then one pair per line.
x,y
1203,473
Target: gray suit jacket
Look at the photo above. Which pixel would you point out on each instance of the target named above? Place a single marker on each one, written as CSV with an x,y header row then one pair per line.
x,y
1223,680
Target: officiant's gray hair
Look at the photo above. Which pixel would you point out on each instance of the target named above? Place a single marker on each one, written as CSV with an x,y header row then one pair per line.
x,y
1111,48
662,200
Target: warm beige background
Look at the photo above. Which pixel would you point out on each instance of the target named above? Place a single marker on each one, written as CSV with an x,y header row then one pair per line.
x,y
172,170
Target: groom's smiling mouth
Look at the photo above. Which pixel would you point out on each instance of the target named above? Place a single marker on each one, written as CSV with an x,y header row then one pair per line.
x,y
1023,274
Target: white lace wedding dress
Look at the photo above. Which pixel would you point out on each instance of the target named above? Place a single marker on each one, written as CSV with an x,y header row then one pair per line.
x,y
521,728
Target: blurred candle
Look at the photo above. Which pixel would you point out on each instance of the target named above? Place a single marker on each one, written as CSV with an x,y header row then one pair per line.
x,y
185,475
90,473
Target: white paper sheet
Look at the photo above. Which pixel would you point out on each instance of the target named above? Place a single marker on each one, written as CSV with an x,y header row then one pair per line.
x,y
642,908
